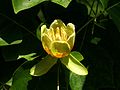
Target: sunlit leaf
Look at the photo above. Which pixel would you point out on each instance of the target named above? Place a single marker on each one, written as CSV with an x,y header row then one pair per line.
x,y
43,66
19,5
76,55
4,43
16,42
74,65
28,57
76,81
63,3
9,82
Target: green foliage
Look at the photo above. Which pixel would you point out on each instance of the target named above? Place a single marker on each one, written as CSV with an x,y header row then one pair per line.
x,y
25,4
73,64
95,40
28,57
115,15
22,56
43,66
4,43
94,7
104,3
21,75
76,81
76,55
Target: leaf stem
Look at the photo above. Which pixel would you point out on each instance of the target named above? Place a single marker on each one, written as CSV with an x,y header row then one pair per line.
x,y
18,24
83,39
58,76
112,6
85,24
3,86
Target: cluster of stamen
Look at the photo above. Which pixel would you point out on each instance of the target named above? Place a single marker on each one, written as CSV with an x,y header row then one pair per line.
x,y
57,34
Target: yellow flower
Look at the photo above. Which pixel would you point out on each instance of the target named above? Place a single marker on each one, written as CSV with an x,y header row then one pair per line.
x,y
59,39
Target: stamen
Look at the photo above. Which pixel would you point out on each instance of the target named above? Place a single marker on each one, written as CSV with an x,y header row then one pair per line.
x,y
57,34
63,34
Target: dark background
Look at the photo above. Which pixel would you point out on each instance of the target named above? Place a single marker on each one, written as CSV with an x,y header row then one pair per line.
x,y
102,59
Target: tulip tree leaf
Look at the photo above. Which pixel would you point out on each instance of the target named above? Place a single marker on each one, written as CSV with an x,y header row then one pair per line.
x,y
16,42
41,16
43,66
19,5
76,55
74,65
4,43
28,57
115,14
76,81
104,3
63,3
94,7
95,40
9,83
21,77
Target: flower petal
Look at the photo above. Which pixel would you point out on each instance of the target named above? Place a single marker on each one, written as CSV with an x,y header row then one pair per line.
x,y
46,43
57,23
71,40
43,30
60,49
74,65
70,29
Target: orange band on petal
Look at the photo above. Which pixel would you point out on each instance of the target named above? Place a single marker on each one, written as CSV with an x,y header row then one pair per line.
x,y
47,50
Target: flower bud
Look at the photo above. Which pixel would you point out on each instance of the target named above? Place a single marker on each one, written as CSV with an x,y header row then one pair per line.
x,y
58,40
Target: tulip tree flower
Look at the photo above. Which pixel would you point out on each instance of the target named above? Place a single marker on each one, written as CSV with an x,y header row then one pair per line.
x,y
58,41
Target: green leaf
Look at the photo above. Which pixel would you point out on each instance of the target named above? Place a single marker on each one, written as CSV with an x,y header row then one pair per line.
x,y
95,40
10,34
16,42
41,16
20,5
4,43
63,3
94,7
74,65
115,14
76,55
43,66
9,83
28,57
104,3
76,81
38,31
21,77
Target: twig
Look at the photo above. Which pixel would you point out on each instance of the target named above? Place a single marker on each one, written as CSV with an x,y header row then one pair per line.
x,y
18,24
